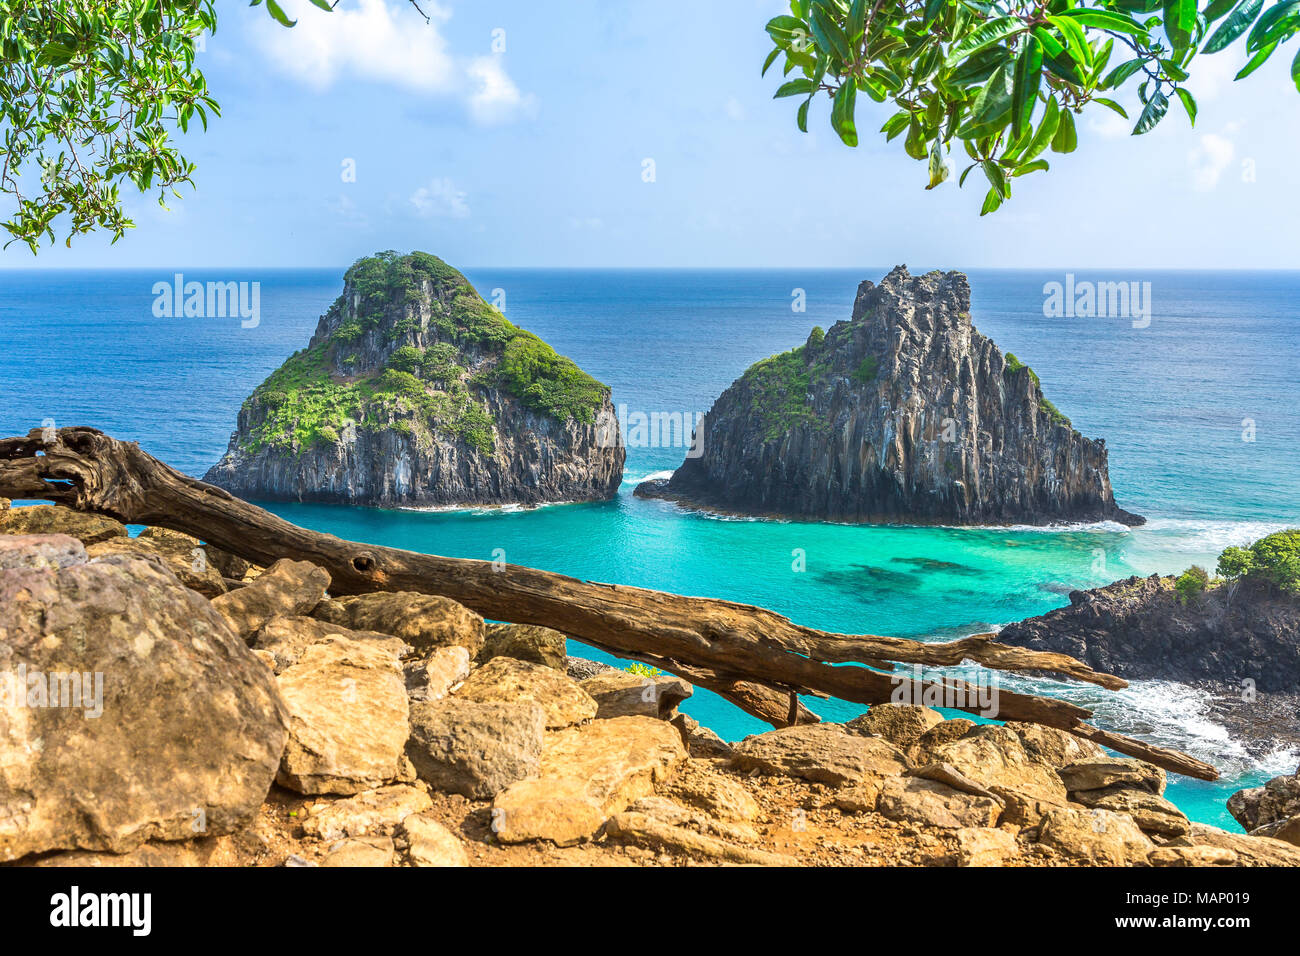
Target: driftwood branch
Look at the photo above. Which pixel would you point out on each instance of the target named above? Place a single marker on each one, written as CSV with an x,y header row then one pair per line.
x,y
752,656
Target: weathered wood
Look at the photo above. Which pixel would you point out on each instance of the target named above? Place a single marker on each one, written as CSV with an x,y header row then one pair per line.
x,y
755,655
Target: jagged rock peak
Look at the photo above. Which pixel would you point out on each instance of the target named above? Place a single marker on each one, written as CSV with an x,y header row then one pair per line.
x,y
905,413
415,391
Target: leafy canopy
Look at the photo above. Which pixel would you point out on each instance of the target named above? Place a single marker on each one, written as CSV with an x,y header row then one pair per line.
x,y
1274,559
1006,79
92,96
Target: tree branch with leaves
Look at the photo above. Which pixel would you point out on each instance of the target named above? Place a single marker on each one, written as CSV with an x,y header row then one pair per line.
x,y
1005,80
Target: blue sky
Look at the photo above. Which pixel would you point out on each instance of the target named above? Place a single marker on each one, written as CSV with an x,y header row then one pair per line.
x,y
534,156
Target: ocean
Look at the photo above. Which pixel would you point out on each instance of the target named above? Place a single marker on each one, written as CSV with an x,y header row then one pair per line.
x,y
1197,407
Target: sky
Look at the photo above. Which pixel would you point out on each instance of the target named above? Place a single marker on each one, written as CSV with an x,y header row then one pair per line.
x,y
520,133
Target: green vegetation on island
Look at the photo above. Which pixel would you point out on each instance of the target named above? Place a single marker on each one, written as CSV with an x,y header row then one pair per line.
x,y
313,397
1272,561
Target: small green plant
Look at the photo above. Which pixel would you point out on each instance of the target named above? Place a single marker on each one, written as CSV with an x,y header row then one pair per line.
x,y
1191,584
642,670
866,372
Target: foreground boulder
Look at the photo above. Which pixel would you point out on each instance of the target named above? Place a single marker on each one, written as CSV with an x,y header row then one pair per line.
x,y
39,551
188,563
153,721
901,724
55,519
526,642
473,748
504,679
822,753
422,620
348,718
286,589
587,774
623,694
1099,837
1277,800
285,639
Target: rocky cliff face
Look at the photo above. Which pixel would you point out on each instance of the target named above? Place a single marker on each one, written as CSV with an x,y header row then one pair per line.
x,y
414,391
1139,629
903,414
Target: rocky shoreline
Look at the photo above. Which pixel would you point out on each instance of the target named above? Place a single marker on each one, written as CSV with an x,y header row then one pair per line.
x,y
292,727
904,414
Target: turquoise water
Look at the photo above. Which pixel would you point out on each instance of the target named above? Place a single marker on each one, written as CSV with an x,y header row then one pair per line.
x,y
84,347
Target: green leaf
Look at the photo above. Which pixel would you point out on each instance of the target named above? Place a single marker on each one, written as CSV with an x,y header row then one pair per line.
x,y
1256,61
1180,21
1242,17
324,5
1120,74
1276,25
991,202
1076,40
984,36
786,28
992,107
1112,105
1066,138
1046,130
1033,167
1189,102
277,11
771,58
1152,114
914,145
939,171
801,117
842,112
1106,20
795,88
997,178
1029,73
830,38
1295,70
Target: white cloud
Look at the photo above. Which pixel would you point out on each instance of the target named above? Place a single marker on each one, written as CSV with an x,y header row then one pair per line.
x,y
1108,124
388,42
494,97
441,198
734,109
1208,159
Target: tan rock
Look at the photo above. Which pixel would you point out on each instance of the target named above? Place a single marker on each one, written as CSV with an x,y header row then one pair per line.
x,y
429,843
505,679
641,829
211,851
623,694
286,589
1098,772
348,718
994,757
525,642
900,724
189,564
373,812
718,795
983,846
371,851
475,748
587,773
1099,837
1056,748
154,721
921,752
1192,856
40,551
285,639
1250,850
1278,799
1152,814
55,519
822,753
421,620
928,803
229,565
1288,831
439,672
